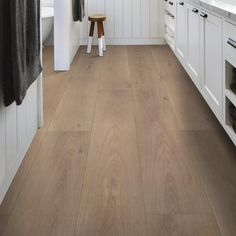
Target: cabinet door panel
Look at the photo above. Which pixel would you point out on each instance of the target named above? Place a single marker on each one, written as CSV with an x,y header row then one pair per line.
x,y
181,31
193,44
212,62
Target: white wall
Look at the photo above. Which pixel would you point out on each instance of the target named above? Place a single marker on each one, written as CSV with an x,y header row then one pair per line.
x,y
128,21
18,125
66,35
47,3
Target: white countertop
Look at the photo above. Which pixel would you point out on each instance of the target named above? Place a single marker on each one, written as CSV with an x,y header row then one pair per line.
x,y
224,8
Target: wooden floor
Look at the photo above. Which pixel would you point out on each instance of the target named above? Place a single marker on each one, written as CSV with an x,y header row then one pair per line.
x,y
128,148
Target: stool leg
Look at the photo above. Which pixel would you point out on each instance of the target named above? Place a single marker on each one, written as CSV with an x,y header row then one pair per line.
x,y
100,44
90,41
103,38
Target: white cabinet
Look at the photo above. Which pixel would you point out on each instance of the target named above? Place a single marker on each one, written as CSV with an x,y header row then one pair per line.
x,y
193,43
181,31
212,57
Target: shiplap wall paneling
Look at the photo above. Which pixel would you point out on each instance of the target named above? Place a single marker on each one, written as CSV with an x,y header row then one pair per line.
x,y
18,125
126,19
11,135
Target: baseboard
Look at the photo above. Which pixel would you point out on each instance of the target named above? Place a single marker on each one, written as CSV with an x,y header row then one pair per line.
x,y
153,41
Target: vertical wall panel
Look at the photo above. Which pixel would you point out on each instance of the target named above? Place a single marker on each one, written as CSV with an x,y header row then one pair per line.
x,y
31,109
100,6
136,13
11,135
21,125
127,20
118,18
110,19
145,18
18,125
84,25
154,18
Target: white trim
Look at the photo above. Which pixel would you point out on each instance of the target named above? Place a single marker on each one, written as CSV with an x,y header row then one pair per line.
x,y
40,100
141,41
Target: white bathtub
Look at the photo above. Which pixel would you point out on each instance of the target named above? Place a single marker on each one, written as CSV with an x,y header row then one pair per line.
x,y
47,21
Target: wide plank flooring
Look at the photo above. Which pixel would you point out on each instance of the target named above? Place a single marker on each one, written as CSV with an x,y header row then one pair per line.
x,y
128,148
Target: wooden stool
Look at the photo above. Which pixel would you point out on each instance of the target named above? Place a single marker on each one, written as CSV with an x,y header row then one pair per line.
x,y
101,36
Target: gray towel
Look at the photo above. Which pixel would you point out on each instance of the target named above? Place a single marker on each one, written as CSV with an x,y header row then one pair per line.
x,y
21,47
78,10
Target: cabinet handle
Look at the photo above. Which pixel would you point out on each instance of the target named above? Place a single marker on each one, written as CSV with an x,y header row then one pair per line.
x,y
165,0
181,3
195,10
204,15
171,3
231,42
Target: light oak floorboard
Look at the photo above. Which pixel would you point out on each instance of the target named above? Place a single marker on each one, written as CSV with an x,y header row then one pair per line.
x,y
189,106
169,184
86,64
213,155
115,70
3,222
159,162
49,201
182,225
48,61
112,201
76,110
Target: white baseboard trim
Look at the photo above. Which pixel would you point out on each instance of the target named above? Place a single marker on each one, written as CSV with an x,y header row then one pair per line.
x,y
154,41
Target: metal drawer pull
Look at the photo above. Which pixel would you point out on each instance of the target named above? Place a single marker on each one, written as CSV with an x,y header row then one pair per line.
x,y
231,42
195,10
204,15
171,3
181,3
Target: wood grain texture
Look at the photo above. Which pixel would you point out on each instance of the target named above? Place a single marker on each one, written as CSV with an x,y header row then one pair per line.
x,y
213,156
76,110
49,201
115,70
86,64
3,222
194,113
48,61
169,184
150,166
112,201
182,225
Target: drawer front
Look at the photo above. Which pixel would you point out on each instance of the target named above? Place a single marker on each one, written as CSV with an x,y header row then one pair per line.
x,y
171,7
165,4
230,39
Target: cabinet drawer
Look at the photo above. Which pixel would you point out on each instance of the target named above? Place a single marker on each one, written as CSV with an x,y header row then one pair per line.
x,y
169,5
165,4
230,39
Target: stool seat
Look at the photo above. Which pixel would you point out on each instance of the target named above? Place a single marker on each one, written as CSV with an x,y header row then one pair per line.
x,y
97,17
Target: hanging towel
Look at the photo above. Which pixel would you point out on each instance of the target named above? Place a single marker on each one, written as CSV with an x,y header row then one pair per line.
x,y
6,72
78,10
21,44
